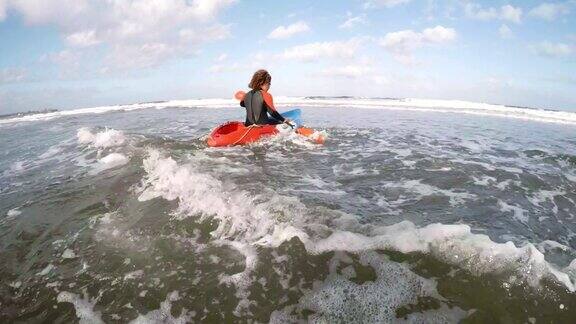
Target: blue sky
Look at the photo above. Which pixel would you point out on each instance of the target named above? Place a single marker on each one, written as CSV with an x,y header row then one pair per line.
x,y
82,53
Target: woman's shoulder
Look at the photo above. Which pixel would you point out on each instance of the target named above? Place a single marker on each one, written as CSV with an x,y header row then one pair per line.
x,y
267,98
265,93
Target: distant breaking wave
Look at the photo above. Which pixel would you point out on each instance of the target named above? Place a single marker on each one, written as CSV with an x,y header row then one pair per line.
x,y
407,104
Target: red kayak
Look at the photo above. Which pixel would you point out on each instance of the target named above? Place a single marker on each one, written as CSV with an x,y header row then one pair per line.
x,y
235,133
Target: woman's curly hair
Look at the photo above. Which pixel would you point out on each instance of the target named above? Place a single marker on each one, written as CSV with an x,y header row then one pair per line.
x,y
260,78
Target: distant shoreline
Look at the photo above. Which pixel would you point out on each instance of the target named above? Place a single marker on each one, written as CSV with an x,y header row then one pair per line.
x,y
46,111
414,104
28,113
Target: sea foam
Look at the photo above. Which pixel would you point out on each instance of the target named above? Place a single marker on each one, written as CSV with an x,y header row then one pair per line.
x,y
272,220
407,104
84,307
337,299
104,139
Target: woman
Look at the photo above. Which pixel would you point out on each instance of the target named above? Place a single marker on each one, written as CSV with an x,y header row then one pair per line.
x,y
258,102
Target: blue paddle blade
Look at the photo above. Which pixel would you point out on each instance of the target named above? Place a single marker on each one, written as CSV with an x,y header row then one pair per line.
x,y
295,115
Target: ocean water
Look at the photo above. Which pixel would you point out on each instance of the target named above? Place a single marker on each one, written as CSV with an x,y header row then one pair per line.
x,y
412,211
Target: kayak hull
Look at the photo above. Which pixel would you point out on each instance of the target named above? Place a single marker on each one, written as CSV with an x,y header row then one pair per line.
x,y
235,133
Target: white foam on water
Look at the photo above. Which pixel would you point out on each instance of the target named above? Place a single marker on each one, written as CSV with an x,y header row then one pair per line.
x,y
46,270
337,299
240,215
84,307
164,313
571,177
15,284
50,153
403,153
214,259
484,180
211,103
506,184
68,254
110,161
409,164
280,140
454,244
241,280
443,315
16,168
104,139
488,166
549,244
54,284
271,219
110,230
14,212
541,196
114,159
390,207
423,190
475,146
518,213
134,275
408,104
438,106
315,181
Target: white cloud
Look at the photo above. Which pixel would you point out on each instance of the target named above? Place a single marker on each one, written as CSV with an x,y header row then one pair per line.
x,y
129,56
506,12
505,32
65,13
208,9
70,61
383,3
557,50
439,35
283,32
12,75
475,11
2,10
353,21
563,79
549,11
222,57
402,43
221,68
348,71
498,82
138,33
254,61
63,57
315,51
362,73
511,13
192,36
82,39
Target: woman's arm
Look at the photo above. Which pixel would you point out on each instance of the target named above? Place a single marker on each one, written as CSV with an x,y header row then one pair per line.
x,y
240,95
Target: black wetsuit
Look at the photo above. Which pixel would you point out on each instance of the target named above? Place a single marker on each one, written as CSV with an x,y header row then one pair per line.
x,y
257,108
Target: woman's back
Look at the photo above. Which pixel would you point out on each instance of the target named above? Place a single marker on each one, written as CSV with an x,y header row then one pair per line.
x,y
255,110
259,102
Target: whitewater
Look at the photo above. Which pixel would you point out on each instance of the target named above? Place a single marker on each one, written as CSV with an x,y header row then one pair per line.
x,y
412,211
